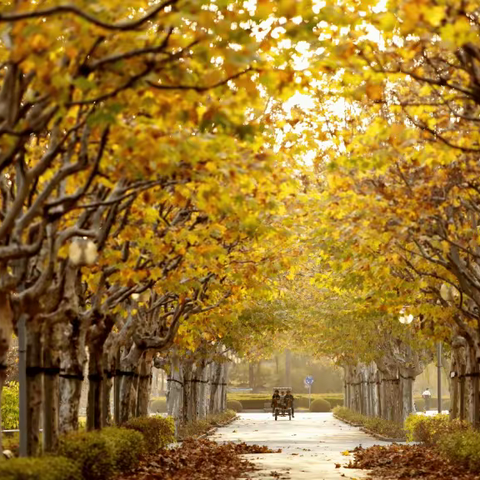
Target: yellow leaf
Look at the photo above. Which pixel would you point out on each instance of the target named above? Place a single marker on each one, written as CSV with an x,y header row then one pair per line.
x,y
374,91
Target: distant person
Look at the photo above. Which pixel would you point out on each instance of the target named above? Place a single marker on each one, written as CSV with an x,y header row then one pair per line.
x,y
289,398
426,395
275,400
282,400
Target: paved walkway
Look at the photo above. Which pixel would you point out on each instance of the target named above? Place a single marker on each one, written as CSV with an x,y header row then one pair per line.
x,y
312,445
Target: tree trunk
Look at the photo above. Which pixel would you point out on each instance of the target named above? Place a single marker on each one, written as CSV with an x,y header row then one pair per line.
x,y
224,384
175,392
97,337
34,387
258,377
117,390
203,387
187,411
251,375
162,382
51,385
128,374
144,385
72,365
106,394
6,330
95,387
288,368
216,376
406,388
471,384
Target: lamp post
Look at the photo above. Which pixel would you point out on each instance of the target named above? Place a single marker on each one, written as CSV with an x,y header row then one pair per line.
x,y
407,320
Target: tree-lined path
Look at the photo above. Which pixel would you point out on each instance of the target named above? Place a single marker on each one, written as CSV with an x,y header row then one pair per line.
x,y
311,444
189,184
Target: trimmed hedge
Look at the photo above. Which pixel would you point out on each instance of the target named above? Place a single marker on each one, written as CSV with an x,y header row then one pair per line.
x,y
320,405
234,405
91,452
43,468
97,455
127,446
256,401
200,427
158,431
374,424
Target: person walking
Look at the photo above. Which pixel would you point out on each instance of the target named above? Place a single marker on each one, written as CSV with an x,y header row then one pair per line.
x,y
426,395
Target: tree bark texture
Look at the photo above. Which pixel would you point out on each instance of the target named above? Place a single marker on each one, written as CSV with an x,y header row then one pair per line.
x,y
175,392
72,366
6,330
34,387
381,389
144,385
51,386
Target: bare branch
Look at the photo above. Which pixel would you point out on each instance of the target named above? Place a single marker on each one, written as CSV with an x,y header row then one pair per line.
x,y
69,8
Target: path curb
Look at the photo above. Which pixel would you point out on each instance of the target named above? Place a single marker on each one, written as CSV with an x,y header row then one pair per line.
x,y
370,432
219,425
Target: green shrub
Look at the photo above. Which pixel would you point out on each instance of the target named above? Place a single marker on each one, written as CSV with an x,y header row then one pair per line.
x,y
320,405
126,445
44,468
345,413
462,446
384,427
374,424
429,429
234,405
92,453
202,426
12,443
10,406
158,405
158,432
222,417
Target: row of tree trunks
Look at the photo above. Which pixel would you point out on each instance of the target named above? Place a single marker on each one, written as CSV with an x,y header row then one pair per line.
x,y
379,389
55,378
195,389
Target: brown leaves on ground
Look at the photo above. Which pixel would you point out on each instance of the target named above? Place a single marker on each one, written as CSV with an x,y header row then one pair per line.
x,y
405,462
198,460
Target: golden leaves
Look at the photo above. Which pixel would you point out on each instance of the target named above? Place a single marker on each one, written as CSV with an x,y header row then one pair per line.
x,y
374,91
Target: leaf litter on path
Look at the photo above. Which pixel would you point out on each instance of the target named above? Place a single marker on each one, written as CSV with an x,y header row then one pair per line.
x,y
198,460
408,462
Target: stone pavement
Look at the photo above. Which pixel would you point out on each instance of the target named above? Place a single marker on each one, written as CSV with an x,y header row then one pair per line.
x,y
312,445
